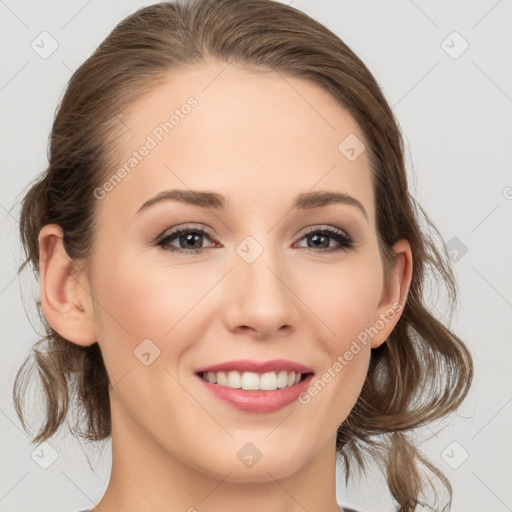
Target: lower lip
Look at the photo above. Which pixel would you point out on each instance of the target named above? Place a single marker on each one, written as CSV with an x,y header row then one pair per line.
x,y
258,401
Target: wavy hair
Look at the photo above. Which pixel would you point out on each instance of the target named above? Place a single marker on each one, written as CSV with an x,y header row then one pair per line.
x,y
420,374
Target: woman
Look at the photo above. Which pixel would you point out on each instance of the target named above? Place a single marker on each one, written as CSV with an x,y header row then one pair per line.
x,y
234,371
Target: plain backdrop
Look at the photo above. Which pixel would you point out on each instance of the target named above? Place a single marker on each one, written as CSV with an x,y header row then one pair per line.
x,y
445,69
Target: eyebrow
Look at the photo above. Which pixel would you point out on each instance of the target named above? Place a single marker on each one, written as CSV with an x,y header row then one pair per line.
x,y
215,201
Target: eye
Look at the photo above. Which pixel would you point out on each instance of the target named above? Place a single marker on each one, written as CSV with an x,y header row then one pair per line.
x,y
189,240
320,240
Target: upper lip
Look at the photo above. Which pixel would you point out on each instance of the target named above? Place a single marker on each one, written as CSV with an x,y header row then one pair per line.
x,y
249,365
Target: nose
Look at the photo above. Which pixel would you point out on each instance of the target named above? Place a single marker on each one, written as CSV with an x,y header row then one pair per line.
x,y
260,300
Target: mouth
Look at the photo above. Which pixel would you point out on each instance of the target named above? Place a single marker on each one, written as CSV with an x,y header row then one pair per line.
x,y
255,386
253,381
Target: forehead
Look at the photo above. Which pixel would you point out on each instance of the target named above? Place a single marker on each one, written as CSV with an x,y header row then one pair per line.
x,y
251,135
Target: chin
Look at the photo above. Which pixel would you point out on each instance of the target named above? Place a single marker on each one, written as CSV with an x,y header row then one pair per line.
x,y
269,467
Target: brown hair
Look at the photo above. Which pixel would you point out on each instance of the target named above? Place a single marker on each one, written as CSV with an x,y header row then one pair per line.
x,y
421,373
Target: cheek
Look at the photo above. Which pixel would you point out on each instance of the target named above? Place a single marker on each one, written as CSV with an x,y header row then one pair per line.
x,y
140,298
346,298
137,301
143,330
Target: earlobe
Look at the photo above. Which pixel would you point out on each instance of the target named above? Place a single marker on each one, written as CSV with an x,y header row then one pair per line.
x,y
394,293
64,300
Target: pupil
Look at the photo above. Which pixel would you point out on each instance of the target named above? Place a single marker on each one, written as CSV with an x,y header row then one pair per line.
x,y
316,237
187,238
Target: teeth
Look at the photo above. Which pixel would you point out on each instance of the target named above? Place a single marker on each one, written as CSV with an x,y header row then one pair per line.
x,y
221,378
234,380
269,381
250,380
282,379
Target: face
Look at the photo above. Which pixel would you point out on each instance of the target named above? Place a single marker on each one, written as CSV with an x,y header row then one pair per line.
x,y
251,277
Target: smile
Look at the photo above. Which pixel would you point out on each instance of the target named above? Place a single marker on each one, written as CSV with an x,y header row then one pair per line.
x,y
269,381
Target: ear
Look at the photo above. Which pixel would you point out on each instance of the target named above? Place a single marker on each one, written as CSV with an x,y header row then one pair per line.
x,y
65,299
394,293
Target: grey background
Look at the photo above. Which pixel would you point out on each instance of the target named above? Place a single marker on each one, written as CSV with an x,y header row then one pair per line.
x,y
456,117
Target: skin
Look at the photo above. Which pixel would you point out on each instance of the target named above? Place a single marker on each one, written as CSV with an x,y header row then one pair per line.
x,y
259,139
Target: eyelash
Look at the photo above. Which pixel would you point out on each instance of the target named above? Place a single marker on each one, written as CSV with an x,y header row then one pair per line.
x,y
346,242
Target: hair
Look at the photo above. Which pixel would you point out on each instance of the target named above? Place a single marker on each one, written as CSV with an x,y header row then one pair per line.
x,y
421,373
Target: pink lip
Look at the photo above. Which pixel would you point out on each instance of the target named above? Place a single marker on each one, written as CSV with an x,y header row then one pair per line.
x,y
248,365
258,401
